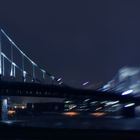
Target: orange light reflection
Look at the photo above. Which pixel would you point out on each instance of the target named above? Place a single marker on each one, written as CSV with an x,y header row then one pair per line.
x,y
11,112
98,114
71,113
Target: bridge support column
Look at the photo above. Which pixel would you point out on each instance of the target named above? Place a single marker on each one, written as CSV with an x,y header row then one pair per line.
x,y
3,109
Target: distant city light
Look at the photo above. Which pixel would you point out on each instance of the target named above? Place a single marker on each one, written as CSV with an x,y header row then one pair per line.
x,y
99,108
60,83
86,100
15,106
24,72
111,103
59,79
127,92
128,105
68,102
23,107
84,84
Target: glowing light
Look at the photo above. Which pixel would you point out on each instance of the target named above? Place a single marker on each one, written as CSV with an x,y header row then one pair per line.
x,y
33,63
15,106
12,73
23,107
8,122
68,102
86,100
127,92
99,108
60,83
84,84
11,112
43,71
24,72
128,105
13,64
3,54
59,79
5,103
98,114
111,103
71,113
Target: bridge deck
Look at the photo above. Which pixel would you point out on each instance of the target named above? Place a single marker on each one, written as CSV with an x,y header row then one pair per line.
x,y
44,90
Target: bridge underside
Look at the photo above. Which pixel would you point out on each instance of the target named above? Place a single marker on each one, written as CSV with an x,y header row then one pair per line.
x,y
43,90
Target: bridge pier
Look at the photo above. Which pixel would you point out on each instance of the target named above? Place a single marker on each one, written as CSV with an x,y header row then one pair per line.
x,y
3,109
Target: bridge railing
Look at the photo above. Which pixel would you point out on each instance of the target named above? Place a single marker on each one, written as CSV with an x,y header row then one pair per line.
x,y
32,73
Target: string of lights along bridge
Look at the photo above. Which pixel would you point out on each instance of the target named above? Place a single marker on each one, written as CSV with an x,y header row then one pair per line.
x,y
35,73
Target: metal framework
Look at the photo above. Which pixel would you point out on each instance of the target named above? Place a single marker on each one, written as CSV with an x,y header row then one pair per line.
x,y
14,66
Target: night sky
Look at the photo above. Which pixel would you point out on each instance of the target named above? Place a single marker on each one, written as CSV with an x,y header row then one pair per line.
x,y
78,40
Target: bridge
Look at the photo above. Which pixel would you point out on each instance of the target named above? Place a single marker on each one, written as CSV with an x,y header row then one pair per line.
x,y
25,69
21,76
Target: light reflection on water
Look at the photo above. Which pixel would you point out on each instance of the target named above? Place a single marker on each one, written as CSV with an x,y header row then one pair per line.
x,y
71,113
